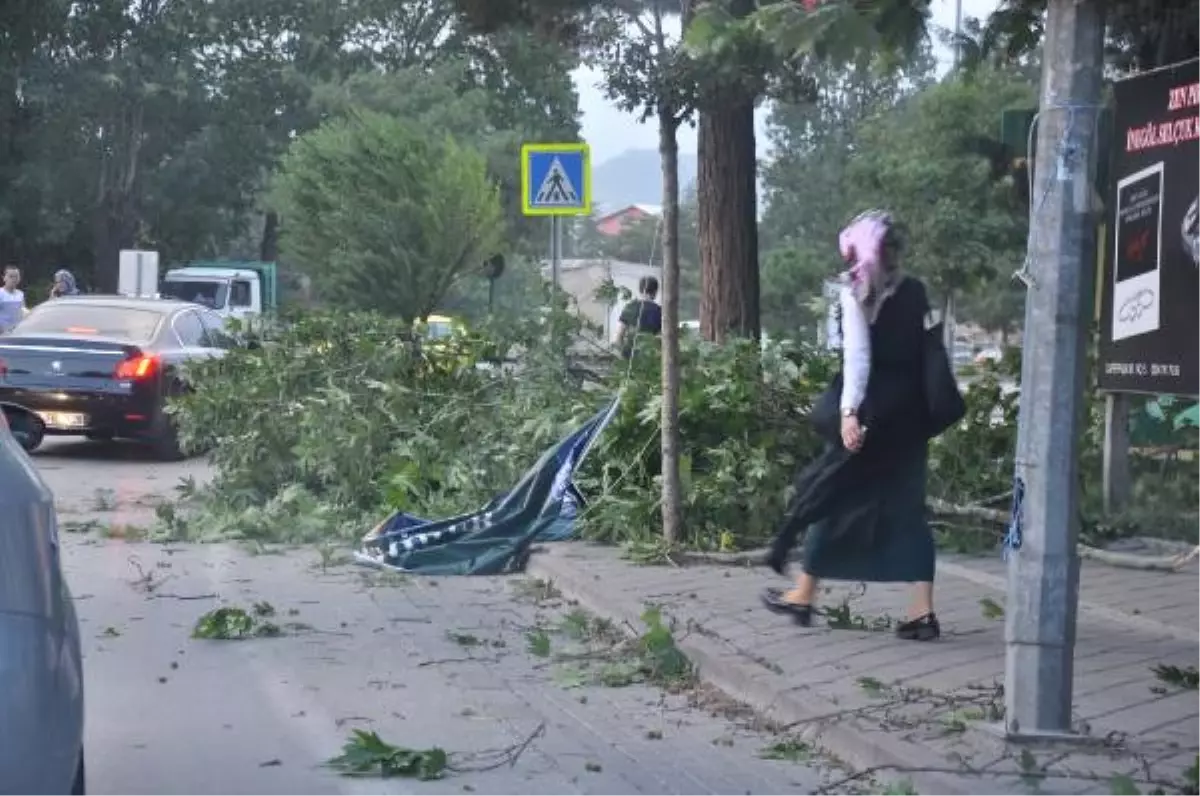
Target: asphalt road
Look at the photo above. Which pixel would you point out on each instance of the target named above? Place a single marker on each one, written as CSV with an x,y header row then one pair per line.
x,y
423,662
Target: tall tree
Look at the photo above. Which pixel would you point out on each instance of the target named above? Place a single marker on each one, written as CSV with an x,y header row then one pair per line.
x,y
727,84
808,186
1141,34
813,142
964,228
156,123
727,190
385,216
651,77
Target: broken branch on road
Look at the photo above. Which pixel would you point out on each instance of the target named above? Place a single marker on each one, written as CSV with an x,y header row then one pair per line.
x,y
365,754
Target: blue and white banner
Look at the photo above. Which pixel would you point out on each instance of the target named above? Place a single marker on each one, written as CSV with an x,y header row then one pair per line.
x,y
542,507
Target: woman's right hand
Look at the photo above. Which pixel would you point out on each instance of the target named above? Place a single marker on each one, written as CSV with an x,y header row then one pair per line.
x,y
852,433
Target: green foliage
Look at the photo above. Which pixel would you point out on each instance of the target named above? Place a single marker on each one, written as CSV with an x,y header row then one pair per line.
x,y
341,417
346,412
482,102
365,754
814,142
741,432
835,32
975,459
645,72
793,298
157,124
964,229
384,217
662,661
1142,34
232,624
895,139
1185,677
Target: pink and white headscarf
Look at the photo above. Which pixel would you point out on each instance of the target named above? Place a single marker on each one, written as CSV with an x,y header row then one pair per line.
x,y
872,277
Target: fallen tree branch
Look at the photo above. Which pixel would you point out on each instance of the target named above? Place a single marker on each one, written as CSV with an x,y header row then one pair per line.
x,y
1171,563
1133,561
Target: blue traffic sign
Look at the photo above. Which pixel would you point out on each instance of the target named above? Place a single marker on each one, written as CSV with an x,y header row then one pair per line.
x,y
556,180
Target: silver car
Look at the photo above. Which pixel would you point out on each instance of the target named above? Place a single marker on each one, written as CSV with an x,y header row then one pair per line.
x,y
41,700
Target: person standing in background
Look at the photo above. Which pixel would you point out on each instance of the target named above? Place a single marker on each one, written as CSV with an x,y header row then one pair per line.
x,y
64,284
12,300
642,315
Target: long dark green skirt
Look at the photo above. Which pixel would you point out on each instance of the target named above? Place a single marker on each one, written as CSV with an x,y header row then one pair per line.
x,y
881,535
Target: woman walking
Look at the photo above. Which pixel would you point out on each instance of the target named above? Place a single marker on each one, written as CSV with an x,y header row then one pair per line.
x,y
870,525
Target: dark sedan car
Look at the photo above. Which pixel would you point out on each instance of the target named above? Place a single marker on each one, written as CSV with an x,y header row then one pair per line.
x,y
104,366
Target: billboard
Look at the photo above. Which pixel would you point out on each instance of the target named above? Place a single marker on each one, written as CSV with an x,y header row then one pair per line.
x,y
1150,313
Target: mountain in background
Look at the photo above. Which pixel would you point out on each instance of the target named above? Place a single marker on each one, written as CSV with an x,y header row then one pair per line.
x,y
635,177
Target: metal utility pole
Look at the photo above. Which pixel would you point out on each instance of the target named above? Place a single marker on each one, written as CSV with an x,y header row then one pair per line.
x,y
555,250
1043,571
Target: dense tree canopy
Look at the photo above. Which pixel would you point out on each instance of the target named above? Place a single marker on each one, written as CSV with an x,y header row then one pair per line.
x,y
916,147
384,216
157,124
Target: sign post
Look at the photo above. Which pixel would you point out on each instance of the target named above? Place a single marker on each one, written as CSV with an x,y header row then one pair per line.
x,y
137,273
556,181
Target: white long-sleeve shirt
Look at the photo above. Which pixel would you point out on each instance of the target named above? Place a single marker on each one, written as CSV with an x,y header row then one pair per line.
x,y
856,351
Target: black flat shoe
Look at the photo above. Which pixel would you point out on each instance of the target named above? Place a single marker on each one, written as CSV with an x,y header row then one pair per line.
x,y
773,599
925,628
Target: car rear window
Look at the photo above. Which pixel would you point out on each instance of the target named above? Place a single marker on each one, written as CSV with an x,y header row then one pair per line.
x,y
122,323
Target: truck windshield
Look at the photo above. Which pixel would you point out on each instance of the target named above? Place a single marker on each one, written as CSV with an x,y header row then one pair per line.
x,y
210,294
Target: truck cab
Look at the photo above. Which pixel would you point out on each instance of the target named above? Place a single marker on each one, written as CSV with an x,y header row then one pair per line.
x,y
232,290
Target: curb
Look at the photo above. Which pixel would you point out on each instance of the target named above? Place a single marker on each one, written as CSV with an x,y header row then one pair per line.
x,y
766,693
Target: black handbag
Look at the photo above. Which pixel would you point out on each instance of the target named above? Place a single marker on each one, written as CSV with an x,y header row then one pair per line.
x,y
826,412
944,402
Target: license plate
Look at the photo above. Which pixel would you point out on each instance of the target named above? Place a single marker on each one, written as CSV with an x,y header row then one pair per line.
x,y
64,420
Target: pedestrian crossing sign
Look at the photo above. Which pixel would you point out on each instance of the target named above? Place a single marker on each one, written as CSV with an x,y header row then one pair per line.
x,y
556,180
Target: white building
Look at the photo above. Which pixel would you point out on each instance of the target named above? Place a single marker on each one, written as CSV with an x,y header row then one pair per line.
x,y
580,279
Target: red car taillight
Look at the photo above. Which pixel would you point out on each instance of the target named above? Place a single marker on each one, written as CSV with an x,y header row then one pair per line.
x,y
137,368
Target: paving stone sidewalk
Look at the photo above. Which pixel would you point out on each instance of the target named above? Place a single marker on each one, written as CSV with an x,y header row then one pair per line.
x,y
926,713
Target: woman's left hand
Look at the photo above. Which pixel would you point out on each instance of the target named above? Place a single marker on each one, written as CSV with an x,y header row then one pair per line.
x,y
852,433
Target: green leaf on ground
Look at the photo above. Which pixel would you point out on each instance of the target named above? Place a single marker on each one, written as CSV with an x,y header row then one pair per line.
x,y
570,676
538,642
991,609
1187,677
1122,785
901,788
365,754
871,685
233,624
576,624
790,749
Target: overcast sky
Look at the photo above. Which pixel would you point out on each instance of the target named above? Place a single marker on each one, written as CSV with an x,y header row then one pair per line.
x,y
610,132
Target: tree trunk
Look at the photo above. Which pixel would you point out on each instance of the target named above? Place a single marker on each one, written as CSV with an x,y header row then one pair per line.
x,y
268,250
668,148
113,229
728,215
